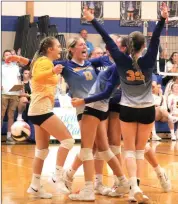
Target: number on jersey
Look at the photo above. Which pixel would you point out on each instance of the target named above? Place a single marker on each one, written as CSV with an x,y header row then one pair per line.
x,y
135,76
88,75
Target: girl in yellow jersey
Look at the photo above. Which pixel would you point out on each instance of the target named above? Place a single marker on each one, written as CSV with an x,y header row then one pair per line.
x,y
43,84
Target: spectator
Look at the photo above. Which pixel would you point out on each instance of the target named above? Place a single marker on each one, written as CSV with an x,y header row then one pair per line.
x,y
172,64
162,60
173,108
10,100
97,52
25,98
84,35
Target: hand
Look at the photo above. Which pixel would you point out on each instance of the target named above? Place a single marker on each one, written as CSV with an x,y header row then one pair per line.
x,y
77,102
87,15
164,10
58,69
12,58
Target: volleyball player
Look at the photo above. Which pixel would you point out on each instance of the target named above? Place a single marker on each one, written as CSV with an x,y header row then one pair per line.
x,y
137,111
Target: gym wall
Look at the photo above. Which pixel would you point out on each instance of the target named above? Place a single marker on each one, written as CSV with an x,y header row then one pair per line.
x,y
66,15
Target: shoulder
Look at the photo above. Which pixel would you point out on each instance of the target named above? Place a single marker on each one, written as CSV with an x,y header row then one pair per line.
x,y
43,61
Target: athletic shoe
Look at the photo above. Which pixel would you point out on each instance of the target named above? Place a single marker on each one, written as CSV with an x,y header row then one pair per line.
x,y
164,181
156,138
60,184
68,181
101,189
10,141
132,199
137,194
40,193
173,137
84,195
120,190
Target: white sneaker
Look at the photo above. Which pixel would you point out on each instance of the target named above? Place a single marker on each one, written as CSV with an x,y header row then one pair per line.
x,y
137,194
84,195
120,189
173,137
10,141
114,193
132,199
164,181
68,181
39,193
156,138
60,184
101,189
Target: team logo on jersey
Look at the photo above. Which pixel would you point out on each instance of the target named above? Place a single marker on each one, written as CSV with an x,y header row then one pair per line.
x,y
77,69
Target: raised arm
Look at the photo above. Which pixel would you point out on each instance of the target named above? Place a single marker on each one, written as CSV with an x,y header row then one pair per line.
x,y
111,45
152,51
20,59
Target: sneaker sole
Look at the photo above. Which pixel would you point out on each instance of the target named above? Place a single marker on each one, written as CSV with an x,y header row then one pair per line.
x,y
139,197
75,199
57,188
37,195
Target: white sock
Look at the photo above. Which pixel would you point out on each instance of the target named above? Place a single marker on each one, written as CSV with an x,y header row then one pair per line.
x,y
158,170
133,182
19,117
58,171
8,135
36,181
89,184
71,172
172,132
122,179
98,179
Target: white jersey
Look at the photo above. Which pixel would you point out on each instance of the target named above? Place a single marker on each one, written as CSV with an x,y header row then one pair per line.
x,y
157,100
173,104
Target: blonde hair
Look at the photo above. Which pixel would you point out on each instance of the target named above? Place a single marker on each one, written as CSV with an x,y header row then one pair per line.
x,y
71,44
42,51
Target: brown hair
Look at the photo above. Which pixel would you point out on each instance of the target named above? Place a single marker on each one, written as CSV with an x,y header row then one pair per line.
x,y
136,41
42,51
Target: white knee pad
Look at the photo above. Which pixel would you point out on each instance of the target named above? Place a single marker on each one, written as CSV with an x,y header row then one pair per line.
x,y
106,155
140,154
67,143
86,154
41,153
147,148
97,156
130,154
115,149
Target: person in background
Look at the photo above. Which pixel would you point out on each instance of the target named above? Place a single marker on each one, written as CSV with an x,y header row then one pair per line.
x,y
84,35
172,64
10,100
97,52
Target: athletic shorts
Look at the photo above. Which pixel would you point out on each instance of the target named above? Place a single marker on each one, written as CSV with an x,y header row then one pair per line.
x,y
114,107
79,117
39,119
139,115
101,115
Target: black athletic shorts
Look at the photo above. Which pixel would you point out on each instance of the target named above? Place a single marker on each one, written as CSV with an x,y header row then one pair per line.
x,y
79,117
114,107
140,115
39,119
101,115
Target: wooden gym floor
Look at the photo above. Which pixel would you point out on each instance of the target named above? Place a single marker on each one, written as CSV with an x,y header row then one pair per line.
x,y
17,171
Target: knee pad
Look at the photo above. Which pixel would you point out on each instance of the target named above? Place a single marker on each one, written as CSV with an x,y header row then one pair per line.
x,y
140,154
147,148
97,156
115,149
130,154
41,153
67,143
86,154
106,155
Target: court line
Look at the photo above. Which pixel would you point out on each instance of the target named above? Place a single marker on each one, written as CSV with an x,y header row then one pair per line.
x,y
16,165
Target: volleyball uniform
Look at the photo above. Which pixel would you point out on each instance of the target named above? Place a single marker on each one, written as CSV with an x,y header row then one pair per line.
x,y
80,79
97,102
158,100
105,62
43,85
137,104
